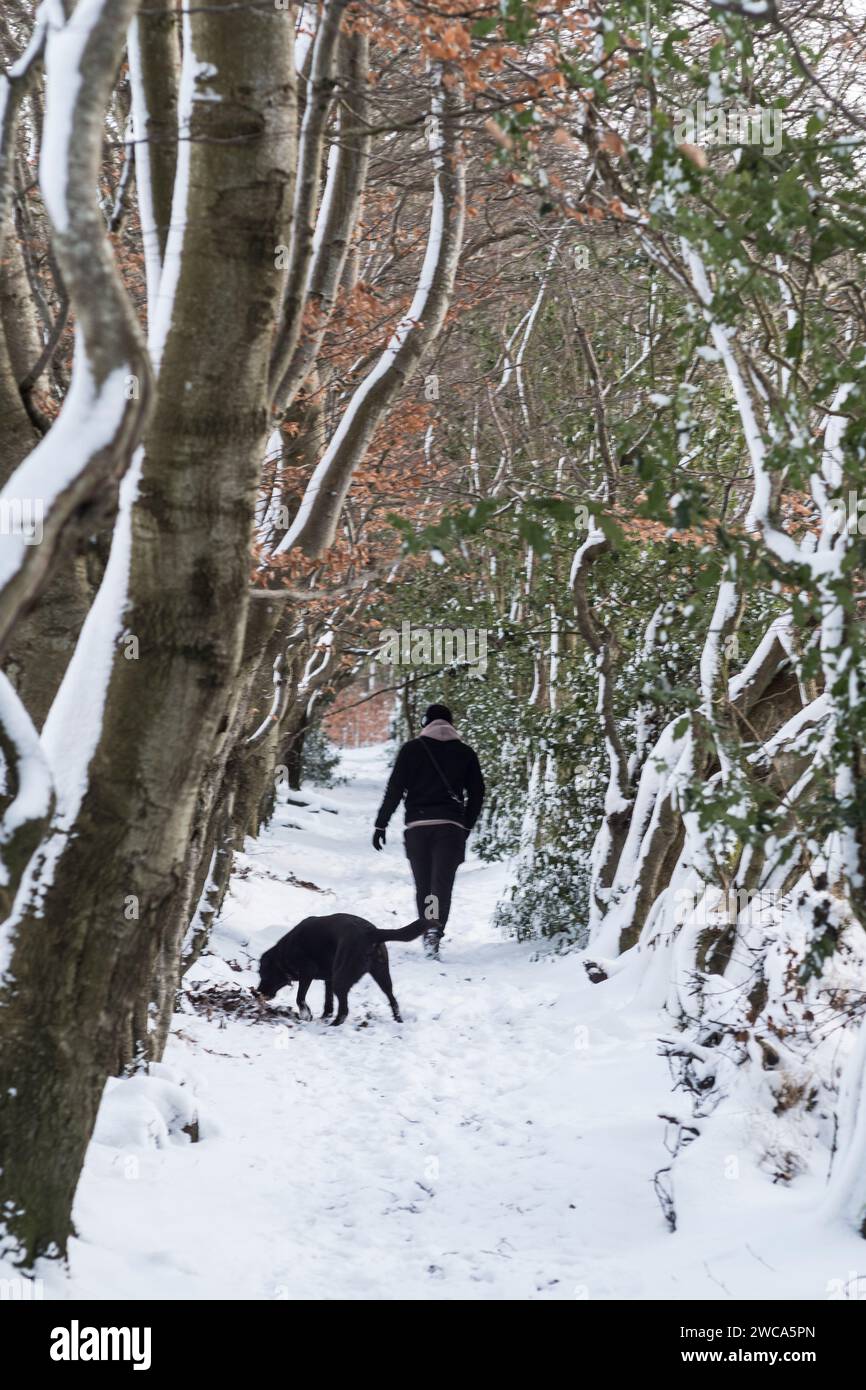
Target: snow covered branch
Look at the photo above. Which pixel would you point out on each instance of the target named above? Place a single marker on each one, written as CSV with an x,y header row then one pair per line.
x,y
154,78
14,85
104,413
336,221
28,793
311,144
278,704
315,524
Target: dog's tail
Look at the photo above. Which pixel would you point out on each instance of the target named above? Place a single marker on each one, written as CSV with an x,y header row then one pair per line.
x,y
409,933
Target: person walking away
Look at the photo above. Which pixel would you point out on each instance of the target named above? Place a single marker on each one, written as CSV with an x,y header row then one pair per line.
x,y
439,776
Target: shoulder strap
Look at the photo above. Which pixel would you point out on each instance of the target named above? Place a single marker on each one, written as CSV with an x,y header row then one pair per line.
x,y
442,777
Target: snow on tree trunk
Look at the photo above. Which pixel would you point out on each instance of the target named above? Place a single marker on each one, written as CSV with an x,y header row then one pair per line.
x,y
157,660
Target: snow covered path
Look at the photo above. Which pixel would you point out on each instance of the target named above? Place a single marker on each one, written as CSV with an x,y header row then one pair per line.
x,y
499,1144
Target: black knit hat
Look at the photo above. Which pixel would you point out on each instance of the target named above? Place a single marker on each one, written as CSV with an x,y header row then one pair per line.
x,y
436,712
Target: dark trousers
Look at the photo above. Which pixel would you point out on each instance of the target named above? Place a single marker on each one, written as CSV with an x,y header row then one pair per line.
x,y
435,853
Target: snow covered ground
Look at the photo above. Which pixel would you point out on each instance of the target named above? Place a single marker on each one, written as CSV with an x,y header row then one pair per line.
x,y
499,1144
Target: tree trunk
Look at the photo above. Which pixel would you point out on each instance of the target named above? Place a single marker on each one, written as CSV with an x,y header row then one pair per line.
x,y
110,887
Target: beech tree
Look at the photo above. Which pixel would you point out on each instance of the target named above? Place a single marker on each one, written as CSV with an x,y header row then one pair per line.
x,y
245,225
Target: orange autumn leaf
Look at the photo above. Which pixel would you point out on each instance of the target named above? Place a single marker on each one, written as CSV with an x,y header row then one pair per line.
x,y
693,153
611,143
562,137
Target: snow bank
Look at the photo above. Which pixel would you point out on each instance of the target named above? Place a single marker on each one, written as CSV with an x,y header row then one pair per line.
x,y
151,1111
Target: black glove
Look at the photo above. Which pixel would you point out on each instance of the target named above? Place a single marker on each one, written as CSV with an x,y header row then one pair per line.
x,y
378,838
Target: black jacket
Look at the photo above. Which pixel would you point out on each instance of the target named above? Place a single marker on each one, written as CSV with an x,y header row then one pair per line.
x,y
415,778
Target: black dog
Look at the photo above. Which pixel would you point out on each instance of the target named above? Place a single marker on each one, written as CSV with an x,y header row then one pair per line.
x,y
339,950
